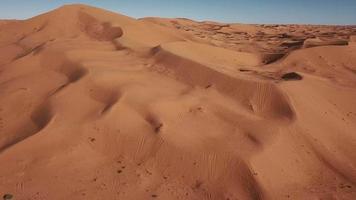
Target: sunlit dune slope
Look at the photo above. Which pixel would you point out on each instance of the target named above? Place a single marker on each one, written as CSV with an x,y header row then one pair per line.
x,y
97,105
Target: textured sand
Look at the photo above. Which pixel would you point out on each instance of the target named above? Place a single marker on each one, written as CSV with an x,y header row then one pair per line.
x,y
97,105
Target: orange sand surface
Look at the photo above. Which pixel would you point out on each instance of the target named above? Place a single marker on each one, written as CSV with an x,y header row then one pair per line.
x,y
97,105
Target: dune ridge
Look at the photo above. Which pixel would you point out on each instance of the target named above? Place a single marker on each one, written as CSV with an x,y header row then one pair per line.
x,y
105,106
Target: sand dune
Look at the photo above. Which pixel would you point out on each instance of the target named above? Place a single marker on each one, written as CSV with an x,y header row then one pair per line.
x,y
319,42
106,106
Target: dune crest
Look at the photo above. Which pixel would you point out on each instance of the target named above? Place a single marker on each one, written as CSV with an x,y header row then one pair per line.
x,y
105,106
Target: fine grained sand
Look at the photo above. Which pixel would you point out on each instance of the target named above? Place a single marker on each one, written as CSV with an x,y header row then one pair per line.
x,y
96,105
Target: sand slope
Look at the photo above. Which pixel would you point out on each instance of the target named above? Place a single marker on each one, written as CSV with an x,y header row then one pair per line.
x,y
97,105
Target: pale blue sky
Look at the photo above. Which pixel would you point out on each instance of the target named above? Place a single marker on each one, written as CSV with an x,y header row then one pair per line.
x,y
244,11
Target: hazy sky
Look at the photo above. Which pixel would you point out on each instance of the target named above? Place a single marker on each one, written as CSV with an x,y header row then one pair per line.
x,y
245,11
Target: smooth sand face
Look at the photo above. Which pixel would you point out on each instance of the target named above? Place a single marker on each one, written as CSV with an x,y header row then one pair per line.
x,y
96,105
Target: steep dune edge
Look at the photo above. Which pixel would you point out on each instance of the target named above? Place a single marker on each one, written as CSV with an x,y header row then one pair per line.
x,y
335,63
261,97
329,105
322,104
319,42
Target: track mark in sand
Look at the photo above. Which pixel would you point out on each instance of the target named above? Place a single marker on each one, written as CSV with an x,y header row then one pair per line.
x,y
229,168
270,101
212,166
147,148
149,144
1,124
140,146
251,186
20,187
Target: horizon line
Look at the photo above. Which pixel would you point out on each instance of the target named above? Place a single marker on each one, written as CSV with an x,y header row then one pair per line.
x,y
179,17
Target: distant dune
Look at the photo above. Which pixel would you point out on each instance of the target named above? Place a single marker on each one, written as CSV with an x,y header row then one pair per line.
x,y
97,105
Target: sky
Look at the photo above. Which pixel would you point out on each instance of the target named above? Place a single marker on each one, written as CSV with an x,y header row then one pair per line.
x,y
241,11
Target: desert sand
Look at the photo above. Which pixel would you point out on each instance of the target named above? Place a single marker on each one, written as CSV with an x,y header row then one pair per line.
x,y
97,105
